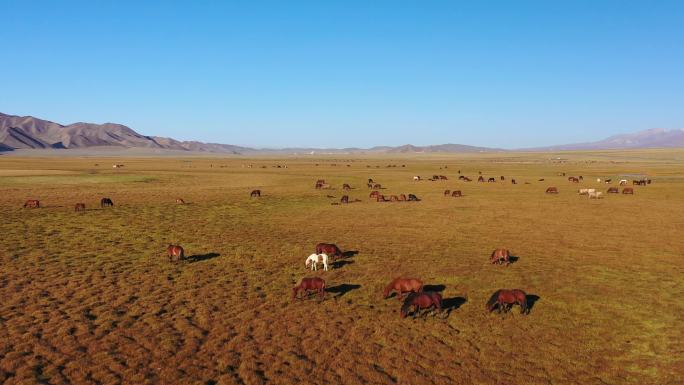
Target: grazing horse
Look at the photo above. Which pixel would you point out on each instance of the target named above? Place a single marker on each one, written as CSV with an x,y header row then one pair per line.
x,y
442,177
403,285
501,256
394,198
106,202
330,249
374,194
613,190
573,179
402,198
344,199
552,190
491,180
513,181
346,187
461,177
505,299
255,193
480,178
79,207
466,179
413,198
180,201
628,190
175,251
308,284
32,204
314,259
456,193
447,193
424,300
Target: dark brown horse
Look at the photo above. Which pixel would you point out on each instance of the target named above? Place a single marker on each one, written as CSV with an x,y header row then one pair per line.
x,y
344,199
513,181
447,192
505,299
628,190
79,207
419,301
443,177
106,202
413,198
403,285
255,193
502,177
613,190
175,252
552,190
330,249
501,256
466,179
456,193
491,180
32,204
309,284
480,178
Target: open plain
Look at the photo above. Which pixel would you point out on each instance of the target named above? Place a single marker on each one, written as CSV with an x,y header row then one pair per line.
x,y
90,298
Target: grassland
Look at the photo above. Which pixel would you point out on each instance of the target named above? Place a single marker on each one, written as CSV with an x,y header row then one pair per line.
x,y
89,298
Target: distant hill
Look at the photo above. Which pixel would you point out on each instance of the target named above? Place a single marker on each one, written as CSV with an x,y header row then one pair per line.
x,y
653,138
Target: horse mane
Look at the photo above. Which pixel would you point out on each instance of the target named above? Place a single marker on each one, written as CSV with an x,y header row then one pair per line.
x,y
493,299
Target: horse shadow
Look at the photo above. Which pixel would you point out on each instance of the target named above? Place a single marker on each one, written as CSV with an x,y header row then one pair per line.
x,y
202,257
349,253
342,289
451,304
513,259
339,264
531,300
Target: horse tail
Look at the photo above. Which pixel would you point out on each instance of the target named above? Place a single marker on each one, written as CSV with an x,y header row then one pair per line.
x,y
492,300
523,304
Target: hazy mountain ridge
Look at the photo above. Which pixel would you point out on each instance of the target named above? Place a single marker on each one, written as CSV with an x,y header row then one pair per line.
x,y
651,138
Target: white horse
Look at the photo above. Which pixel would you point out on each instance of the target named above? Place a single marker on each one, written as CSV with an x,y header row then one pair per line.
x,y
416,178
595,195
623,182
315,259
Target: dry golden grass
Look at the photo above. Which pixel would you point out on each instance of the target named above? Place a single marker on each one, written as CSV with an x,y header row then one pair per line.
x,y
89,298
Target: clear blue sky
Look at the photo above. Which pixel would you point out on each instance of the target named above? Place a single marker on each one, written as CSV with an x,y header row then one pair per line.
x,y
349,73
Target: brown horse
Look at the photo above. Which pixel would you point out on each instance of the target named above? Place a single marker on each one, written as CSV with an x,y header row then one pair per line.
x,y
628,190
255,193
505,299
501,256
374,194
447,192
106,202
491,180
613,190
403,285
309,284
402,197
480,178
513,181
79,207
552,190
419,301
380,198
180,201
413,198
344,199
466,179
346,187
32,204
394,198
456,193
175,252
502,177
330,249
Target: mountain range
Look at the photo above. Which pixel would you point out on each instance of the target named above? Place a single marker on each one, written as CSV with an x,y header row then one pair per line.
x,y
27,132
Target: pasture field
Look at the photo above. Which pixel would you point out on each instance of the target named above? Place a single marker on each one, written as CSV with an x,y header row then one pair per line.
x,y
89,298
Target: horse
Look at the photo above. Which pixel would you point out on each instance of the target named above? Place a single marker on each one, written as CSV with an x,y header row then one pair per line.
x,y
608,180
423,300
540,180
370,185
314,259
456,193
374,194
552,190
416,178
413,198
32,204
175,251
308,284
180,201
403,285
480,178
79,207
380,198
402,198
583,191
613,190
370,180
595,195
505,299
255,193
581,178
344,199
330,249
491,180
394,198
502,177
447,193
513,181
623,182
628,190
501,256
466,179
461,177
346,187
321,181
443,177
106,202
573,179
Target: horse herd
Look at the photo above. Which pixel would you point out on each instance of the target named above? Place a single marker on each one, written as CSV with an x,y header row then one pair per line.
x,y
593,193
416,300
